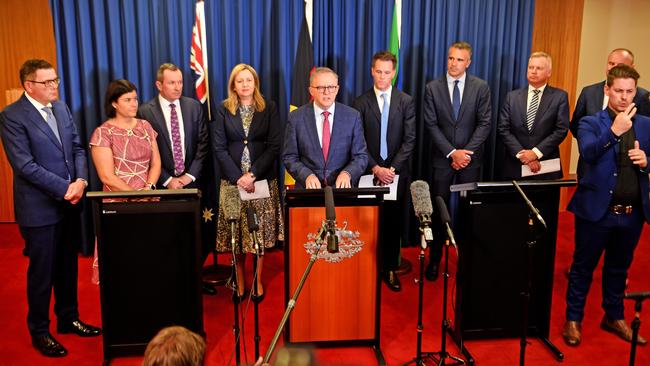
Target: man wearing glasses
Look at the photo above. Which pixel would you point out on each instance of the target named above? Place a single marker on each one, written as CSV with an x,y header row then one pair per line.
x,y
324,143
50,172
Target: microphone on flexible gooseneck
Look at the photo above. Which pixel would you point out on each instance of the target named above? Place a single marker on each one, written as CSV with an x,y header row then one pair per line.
x,y
253,228
422,207
230,203
330,221
444,216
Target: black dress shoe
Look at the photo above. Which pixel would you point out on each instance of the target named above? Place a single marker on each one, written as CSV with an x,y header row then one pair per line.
x,y
48,346
79,328
392,281
431,273
208,289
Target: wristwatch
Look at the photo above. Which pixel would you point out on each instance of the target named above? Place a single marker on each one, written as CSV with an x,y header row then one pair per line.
x,y
151,186
85,182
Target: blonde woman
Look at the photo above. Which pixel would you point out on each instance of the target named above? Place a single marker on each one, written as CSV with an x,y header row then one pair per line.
x,y
247,138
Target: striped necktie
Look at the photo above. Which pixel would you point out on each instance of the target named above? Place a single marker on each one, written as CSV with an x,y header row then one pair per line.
x,y
532,109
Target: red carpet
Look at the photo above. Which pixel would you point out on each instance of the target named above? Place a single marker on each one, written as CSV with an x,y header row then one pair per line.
x,y
398,327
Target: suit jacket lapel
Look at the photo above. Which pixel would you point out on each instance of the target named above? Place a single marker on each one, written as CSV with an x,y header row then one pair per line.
x,y
310,121
188,129
544,103
37,119
392,117
159,119
443,89
467,95
522,100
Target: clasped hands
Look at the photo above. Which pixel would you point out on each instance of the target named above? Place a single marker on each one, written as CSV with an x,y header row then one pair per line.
x,y
179,182
461,158
247,182
385,176
528,157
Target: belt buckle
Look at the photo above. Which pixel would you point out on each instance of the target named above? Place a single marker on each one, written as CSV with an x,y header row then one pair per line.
x,y
620,209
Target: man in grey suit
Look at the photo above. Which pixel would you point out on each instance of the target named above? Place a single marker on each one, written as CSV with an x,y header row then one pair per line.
x,y
389,126
593,99
457,114
324,143
533,122
182,137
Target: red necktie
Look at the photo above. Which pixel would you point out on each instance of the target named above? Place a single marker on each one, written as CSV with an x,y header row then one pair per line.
x,y
326,134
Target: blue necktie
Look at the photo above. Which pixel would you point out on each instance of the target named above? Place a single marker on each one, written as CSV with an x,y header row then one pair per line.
x,y
455,102
51,121
383,146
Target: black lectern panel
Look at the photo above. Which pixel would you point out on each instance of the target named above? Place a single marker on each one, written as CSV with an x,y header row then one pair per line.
x,y
492,228
149,262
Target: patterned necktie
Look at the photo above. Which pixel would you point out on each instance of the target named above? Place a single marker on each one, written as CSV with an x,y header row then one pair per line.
x,y
383,145
532,110
51,121
179,165
326,134
455,102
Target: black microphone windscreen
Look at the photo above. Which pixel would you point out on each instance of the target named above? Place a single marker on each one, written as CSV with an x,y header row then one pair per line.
x,y
251,218
230,202
330,213
442,208
421,198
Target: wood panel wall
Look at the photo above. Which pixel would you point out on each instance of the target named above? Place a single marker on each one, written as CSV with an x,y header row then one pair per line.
x,y
556,31
26,31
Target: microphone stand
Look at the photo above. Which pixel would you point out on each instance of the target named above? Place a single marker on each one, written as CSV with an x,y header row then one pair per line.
x,y
533,235
235,296
292,303
418,361
636,324
256,302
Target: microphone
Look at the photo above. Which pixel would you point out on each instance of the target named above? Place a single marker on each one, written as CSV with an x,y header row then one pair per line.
x,y
231,203
637,295
530,205
253,227
422,207
444,216
330,221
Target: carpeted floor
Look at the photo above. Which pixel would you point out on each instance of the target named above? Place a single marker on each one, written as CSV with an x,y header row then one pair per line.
x,y
398,320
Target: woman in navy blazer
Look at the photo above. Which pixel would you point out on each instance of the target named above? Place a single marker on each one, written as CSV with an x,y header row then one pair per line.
x,y
246,137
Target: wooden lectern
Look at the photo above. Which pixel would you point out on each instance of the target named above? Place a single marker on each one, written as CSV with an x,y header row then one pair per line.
x,y
148,244
339,304
491,227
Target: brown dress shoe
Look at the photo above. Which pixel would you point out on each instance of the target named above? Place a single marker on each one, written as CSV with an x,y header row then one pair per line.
x,y
621,329
572,333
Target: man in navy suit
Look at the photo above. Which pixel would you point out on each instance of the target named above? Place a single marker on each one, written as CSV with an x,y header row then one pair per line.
x,y
593,98
389,126
324,143
50,176
457,114
610,204
182,138
533,122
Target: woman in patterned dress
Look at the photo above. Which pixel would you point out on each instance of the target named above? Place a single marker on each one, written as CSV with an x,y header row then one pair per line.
x,y
246,137
124,148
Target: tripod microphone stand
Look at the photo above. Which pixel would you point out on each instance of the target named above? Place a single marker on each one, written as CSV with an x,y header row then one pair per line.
x,y
533,235
638,298
253,228
425,234
235,296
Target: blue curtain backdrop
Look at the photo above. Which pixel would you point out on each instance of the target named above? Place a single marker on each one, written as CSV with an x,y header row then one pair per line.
x,y
98,41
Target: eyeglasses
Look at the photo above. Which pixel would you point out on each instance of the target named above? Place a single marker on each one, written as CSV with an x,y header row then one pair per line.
x,y
48,83
328,88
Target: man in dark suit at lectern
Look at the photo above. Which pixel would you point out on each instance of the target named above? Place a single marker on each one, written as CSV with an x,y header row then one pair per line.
x,y
323,142
533,122
182,138
50,176
610,204
388,116
458,116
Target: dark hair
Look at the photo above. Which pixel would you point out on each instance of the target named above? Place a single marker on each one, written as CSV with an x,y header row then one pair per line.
x,y
622,71
462,45
384,56
31,66
175,346
115,90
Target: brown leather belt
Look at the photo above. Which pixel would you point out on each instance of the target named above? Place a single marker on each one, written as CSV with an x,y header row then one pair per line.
x,y
621,209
